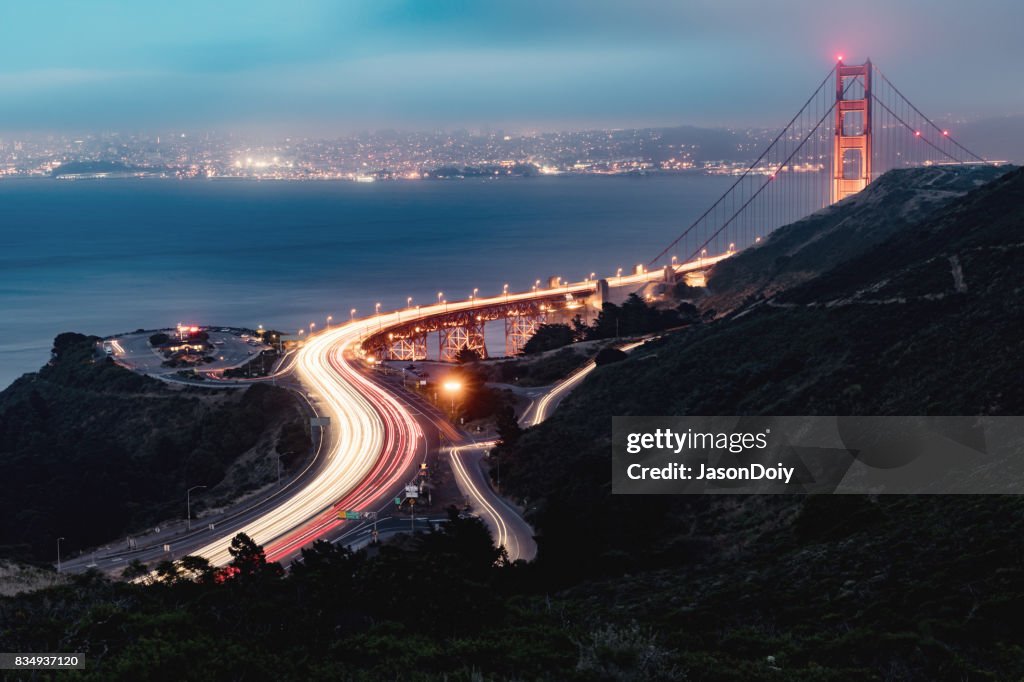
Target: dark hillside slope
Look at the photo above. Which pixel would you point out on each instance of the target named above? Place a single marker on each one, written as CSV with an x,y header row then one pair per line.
x,y
877,588
807,248
90,451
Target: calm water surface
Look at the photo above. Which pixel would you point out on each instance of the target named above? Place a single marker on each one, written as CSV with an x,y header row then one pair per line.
x,y
105,256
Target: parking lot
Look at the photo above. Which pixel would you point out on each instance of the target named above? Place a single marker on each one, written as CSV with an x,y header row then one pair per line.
x,y
229,347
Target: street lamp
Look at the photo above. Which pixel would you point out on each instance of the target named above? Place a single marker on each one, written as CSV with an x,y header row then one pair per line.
x,y
278,460
188,505
618,273
674,259
408,302
452,388
329,318
592,275
312,325
352,314
439,295
376,309
504,290
58,554
473,297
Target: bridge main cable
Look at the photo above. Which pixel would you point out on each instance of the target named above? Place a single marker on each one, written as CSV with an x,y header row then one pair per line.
x,y
746,172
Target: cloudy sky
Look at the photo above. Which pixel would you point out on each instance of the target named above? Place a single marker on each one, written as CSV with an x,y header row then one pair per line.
x,y
339,66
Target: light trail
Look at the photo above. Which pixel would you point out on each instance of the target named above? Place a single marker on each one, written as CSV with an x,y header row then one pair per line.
x,y
515,535
562,389
373,437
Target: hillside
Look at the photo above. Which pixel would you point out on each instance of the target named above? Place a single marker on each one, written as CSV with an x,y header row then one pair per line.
x,y
809,247
90,451
926,322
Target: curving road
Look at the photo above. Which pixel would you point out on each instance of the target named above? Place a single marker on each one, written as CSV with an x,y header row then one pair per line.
x,y
541,409
507,527
372,447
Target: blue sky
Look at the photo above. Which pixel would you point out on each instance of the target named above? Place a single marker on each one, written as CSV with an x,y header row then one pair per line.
x,y
336,67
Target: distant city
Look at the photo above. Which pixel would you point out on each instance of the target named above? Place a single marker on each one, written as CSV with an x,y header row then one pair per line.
x,y
383,155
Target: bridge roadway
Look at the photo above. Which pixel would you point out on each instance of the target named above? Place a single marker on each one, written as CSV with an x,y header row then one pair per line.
x,y
374,443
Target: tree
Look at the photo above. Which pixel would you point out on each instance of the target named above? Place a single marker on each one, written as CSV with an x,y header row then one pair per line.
x,y
580,329
509,430
249,561
134,569
158,339
688,312
467,355
196,568
549,337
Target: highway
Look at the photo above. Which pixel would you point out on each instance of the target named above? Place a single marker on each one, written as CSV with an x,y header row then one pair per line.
x,y
372,447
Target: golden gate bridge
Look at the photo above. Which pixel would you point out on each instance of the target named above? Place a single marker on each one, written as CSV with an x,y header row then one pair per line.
x,y
854,127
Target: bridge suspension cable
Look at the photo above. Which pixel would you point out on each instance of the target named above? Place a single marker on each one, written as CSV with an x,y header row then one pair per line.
x,y
855,127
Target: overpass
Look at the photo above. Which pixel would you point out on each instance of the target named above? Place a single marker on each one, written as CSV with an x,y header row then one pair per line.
x,y
402,334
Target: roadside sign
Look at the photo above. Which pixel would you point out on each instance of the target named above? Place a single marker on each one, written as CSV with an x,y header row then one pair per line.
x,y
349,515
398,500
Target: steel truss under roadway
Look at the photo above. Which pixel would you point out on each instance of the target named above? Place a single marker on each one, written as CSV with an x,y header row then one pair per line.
x,y
462,329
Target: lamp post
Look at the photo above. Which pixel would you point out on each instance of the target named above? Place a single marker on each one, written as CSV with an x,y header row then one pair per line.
x,y
452,387
188,505
352,314
277,458
473,297
58,553
408,302
504,290
329,318
312,326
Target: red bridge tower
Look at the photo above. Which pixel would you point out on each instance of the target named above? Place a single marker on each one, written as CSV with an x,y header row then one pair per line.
x,y
851,153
